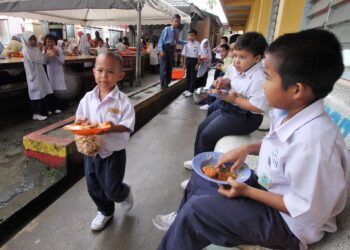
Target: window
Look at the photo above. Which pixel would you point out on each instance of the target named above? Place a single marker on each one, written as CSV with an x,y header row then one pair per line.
x,y
92,31
4,31
114,36
70,31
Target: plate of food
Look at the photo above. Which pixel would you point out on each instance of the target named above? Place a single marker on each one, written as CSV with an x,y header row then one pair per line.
x,y
217,92
204,165
88,128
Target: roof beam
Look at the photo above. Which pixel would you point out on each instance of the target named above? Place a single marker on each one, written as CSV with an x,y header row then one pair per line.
x,y
239,18
237,27
236,3
237,24
237,12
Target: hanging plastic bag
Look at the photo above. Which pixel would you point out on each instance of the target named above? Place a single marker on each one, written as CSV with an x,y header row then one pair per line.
x,y
88,144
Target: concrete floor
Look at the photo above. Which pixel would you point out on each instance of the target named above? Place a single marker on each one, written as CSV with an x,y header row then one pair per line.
x,y
21,180
154,168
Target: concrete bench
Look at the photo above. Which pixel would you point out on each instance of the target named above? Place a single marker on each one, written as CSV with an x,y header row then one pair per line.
x,y
337,105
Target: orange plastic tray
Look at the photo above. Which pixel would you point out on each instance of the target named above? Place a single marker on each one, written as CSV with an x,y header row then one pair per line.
x,y
19,54
78,130
132,49
177,74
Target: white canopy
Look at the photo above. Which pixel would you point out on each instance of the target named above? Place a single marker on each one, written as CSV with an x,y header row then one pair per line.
x,y
92,12
96,13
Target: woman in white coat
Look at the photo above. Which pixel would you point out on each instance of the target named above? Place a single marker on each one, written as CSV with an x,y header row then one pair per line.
x,y
85,49
153,51
54,59
38,83
205,60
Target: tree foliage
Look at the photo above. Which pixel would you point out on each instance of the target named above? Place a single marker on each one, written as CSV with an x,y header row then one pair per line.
x,y
211,3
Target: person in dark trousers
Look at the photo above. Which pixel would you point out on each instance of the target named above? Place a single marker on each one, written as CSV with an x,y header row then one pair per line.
x,y
191,57
240,112
104,170
300,184
167,45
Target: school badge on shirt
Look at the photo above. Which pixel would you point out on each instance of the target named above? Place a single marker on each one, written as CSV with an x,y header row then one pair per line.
x,y
265,181
115,111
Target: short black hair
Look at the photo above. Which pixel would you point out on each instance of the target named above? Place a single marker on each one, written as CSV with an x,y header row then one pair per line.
x,y
115,57
120,40
126,41
50,37
233,38
312,57
225,46
177,16
193,31
224,38
253,42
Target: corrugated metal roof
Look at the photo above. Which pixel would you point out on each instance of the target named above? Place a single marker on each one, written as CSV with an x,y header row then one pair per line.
x,y
342,32
178,3
317,21
318,6
340,14
217,19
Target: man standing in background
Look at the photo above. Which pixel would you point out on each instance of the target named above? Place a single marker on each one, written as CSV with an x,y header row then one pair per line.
x,y
167,45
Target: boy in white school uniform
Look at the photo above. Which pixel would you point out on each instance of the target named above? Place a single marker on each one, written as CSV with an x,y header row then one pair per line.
x,y
216,50
240,111
300,184
105,172
191,62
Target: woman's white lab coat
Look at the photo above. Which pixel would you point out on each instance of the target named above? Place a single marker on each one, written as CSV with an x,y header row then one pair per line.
x,y
55,70
153,55
38,83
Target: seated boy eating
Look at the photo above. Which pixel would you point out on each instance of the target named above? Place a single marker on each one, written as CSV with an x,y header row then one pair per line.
x,y
301,179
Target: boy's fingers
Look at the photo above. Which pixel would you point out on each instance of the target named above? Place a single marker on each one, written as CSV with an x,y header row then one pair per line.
x,y
236,165
232,182
223,191
218,164
221,161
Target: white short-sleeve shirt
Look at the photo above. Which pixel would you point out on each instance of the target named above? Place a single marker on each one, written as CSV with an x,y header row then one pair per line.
x,y
306,161
249,84
117,108
191,49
